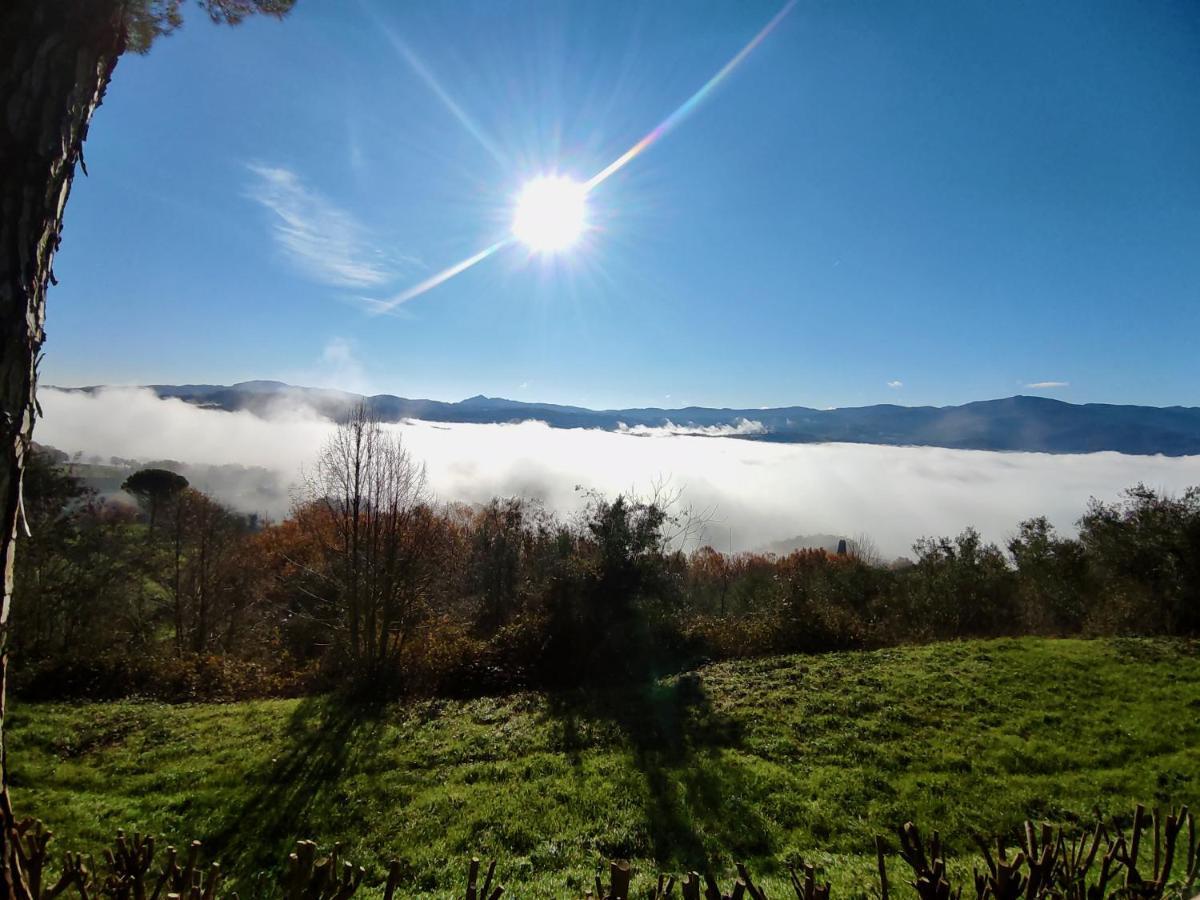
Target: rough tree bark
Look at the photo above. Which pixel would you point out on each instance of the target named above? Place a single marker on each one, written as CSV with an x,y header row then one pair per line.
x,y
56,59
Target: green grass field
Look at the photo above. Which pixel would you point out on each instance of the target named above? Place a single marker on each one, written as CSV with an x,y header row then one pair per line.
x,y
764,761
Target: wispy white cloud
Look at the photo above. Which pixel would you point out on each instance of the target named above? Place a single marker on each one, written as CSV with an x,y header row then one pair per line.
x,y
1047,385
895,385
375,307
324,241
338,367
341,366
741,427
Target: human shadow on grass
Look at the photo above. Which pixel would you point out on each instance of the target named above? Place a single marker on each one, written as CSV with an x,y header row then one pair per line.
x,y
326,739
696,801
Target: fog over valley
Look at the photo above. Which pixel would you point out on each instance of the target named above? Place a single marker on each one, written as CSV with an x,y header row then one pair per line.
x,y
760,493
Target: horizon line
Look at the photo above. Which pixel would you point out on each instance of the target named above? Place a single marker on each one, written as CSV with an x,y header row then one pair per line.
x,y
547,403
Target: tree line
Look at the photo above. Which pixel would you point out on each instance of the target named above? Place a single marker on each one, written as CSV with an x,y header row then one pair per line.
x,y
371,584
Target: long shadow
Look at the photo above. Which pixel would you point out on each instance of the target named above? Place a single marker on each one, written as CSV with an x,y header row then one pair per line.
x,y
284,801
676,739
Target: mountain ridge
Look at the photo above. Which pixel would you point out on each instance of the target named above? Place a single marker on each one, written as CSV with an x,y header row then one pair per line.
x,y
1017,423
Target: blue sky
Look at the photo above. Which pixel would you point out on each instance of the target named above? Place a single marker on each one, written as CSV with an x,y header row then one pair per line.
x,y
885,202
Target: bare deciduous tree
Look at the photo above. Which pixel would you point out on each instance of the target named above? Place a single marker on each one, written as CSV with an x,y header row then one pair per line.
x,y
864,549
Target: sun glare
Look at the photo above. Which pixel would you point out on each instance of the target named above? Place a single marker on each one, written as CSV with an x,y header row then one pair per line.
x,y
551,213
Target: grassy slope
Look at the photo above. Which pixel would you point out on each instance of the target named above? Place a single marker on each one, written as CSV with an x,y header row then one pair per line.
x,y
763,761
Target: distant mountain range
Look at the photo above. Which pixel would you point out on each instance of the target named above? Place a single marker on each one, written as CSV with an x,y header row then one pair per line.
x,y
1014,423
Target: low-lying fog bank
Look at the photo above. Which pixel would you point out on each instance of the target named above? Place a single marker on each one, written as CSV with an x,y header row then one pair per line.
x,y
763,492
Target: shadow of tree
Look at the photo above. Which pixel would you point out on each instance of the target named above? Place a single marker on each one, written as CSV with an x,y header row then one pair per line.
x,y
678,743
325,739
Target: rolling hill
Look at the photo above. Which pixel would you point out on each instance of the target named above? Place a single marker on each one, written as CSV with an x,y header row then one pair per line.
x,y
762,760
1020,423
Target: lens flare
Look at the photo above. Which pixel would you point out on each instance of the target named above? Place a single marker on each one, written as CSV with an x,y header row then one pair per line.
x,y
551,212
382,306
689,105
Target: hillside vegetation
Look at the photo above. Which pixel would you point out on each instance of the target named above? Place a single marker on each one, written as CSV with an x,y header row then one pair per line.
x,y
762,760
374,586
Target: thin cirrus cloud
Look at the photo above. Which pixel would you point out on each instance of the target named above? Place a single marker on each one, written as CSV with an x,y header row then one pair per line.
x,y
323,241
1047,385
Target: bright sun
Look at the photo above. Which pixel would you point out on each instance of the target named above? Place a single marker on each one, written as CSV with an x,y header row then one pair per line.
x,y
551,213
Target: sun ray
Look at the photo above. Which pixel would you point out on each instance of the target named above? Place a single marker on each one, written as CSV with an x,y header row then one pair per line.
x,y
666,125
689,105
433,281
418,66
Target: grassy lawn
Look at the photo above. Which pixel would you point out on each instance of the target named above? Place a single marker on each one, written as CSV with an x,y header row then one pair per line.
x,y
764,761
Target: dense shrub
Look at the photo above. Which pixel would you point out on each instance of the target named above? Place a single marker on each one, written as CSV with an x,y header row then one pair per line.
x,y
162,677
1055,587
1145,554
959,587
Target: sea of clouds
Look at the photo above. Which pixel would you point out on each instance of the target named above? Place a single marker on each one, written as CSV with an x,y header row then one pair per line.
x,y
759,492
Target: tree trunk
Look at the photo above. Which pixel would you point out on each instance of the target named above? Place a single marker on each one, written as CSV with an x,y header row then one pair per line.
x,y
178,547
56,58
